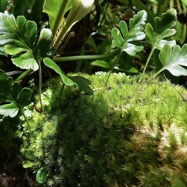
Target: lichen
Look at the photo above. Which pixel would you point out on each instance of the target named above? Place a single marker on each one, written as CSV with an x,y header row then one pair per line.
x,y
125,134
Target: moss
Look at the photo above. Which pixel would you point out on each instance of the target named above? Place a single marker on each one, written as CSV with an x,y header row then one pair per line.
x,y
125,134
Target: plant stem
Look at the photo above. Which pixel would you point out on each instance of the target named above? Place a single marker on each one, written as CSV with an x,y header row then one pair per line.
x,y
157,73
110,72
179,6
40,84
146,64
21,109
162,6
24,74
104,14
159,5
25,118
82,57
60,93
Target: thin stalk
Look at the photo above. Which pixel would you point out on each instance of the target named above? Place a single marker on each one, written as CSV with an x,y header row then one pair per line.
x,y
60,93
182,97
171,4
163,7
104,14
82,57
25,119
183,7
146,64
24,74
40,84
179,6
159,4
110,72
20,108
157,73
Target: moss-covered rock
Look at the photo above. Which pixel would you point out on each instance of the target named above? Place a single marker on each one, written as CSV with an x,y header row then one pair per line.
x,y
125,134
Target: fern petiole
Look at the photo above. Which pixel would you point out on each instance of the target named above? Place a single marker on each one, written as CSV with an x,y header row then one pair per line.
x,y
110,72
21,109
157,73
60,93
146,64
40,84
25,119
24,74
83,57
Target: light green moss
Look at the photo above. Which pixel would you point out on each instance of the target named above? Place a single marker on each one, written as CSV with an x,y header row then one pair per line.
x,y
125,134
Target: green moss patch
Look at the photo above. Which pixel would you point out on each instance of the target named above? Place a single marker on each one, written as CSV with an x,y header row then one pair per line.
x,y
125,134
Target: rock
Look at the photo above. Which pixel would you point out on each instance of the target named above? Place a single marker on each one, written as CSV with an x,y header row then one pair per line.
x,y
125,134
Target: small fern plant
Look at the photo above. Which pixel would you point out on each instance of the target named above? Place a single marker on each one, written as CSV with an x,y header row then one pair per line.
x,y
158,34
19,38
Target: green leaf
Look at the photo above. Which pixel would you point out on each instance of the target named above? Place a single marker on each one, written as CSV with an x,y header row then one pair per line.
x,y
141,6
136,25
12,98
131,70
79,81
166,21
43,45
25,61
15,90
162,43
128,39
5,86
28,164
17,36
24,97
41,176
132,49
150,35
164,27
14,49
83,84
56,10
10,110
101,63
79,9
181,34
118,40
90,41
51,64
174,59
185,2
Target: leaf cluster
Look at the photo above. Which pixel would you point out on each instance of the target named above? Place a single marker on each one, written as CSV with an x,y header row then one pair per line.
x,y
128,40
12,97
17,38
27,48
158,33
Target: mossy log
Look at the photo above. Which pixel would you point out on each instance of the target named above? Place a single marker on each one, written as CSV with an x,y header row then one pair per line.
x,y
125,134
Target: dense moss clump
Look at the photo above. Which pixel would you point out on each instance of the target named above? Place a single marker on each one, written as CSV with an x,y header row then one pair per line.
x,y
125,134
